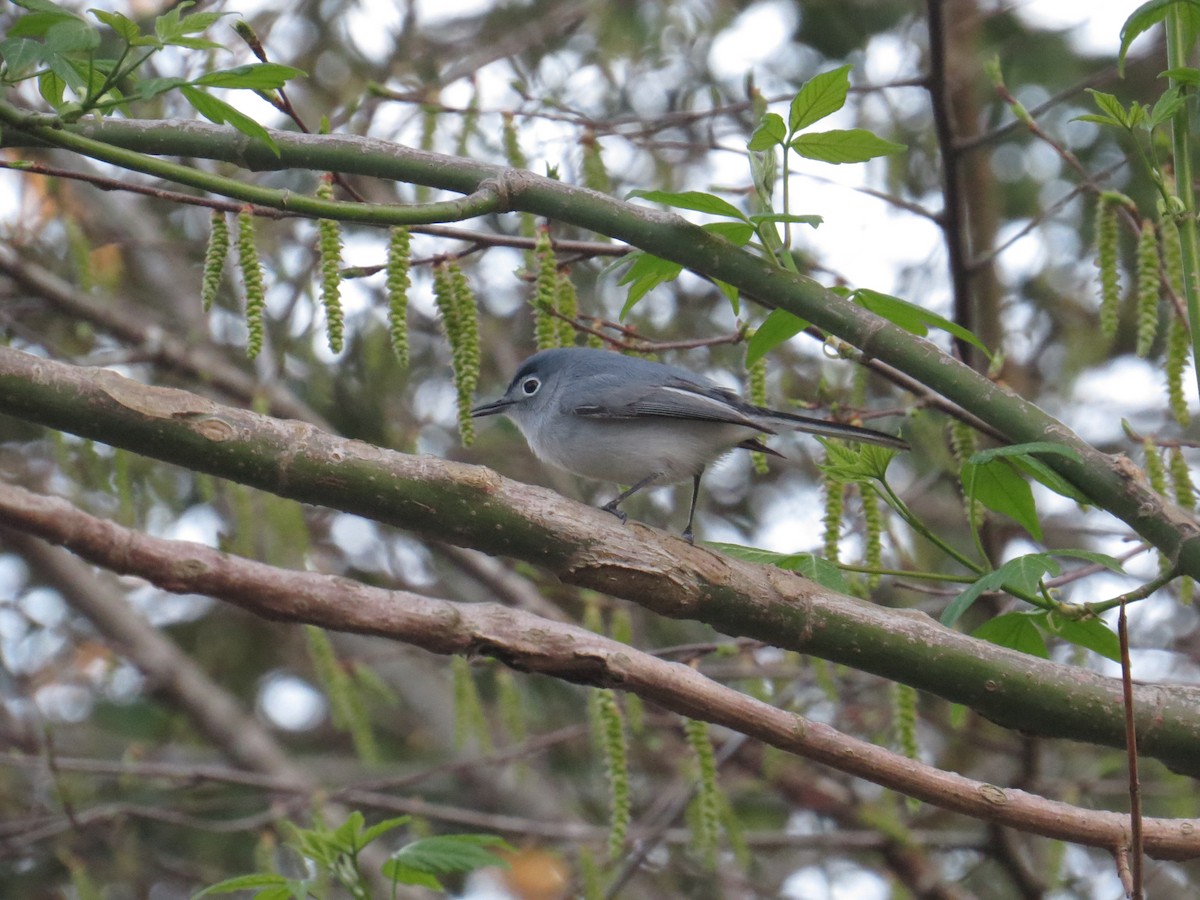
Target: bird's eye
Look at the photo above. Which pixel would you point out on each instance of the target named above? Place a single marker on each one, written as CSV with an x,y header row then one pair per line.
x,y
530,386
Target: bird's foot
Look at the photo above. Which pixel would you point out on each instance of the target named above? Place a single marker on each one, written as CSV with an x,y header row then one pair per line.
x,y
611,507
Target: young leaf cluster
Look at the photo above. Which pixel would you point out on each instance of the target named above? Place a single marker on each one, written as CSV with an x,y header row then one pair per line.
x,y
77,71
334,854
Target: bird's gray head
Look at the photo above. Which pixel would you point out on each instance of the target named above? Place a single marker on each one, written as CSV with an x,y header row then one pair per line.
x,y
537,380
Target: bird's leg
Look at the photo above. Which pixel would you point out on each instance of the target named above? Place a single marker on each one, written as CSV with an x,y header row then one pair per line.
x,y
687,532
611,505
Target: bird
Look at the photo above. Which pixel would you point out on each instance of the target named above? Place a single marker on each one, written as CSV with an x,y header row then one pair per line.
x,y
640,423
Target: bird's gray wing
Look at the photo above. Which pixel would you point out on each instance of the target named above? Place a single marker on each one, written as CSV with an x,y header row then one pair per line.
x,y
676,398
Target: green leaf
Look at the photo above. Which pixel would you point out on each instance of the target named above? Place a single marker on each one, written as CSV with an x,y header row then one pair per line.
x,y
1183,75
853,462
913,318
21,55
998,486
1047,477
1022,574
72,36
646,273
243,883
778,327
40,6
38,22
1169,103
1146,17
152,87
293,890
255,77
346,837
693,200
125,27
448,854
1022,456
173,27
731,294
1026,449
738,233
770,132
381,828
820,96
1110,106
809,565
1103,559
221,112
1098,120
814,221
1015,630
851,145
51,87
1092,634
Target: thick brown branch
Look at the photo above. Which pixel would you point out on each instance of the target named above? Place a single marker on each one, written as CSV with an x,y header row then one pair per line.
x,y
530,643
471,506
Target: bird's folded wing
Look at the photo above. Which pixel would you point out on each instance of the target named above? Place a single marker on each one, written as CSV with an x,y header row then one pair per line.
x,y
676,399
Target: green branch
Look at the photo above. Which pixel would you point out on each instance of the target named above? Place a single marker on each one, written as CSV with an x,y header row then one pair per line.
x,y
1111,483
471,506
487,198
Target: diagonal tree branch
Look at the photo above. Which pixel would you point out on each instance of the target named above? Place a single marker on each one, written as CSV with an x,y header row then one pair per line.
x,y
530,643
1111,482
471,506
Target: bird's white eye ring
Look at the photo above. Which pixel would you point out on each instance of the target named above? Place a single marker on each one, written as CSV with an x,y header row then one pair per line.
x,y
530,386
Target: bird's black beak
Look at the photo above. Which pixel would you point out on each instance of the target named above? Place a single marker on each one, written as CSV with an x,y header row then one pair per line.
x,y
491,409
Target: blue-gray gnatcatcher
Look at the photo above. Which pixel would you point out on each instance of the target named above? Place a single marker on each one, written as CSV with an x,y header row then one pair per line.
x,y
639,423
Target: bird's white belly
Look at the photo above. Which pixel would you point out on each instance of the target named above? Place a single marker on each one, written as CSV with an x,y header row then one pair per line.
x,y
626,451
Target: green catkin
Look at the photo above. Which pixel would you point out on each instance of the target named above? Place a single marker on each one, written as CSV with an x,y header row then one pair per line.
x,y
214,258
469,718
347,707
590,876
1156,475
470,122
1176,363
1156,472
515,157
399,281
904,710
594,340
873,537
1172,253
595,175
545,287
611,736
460,321
1108,262
964,441
252,280
1181,479
566,301
329,253
513,154
835,501
620,628
1185,496
510,706
1147,288
757,388
708,793
429,119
